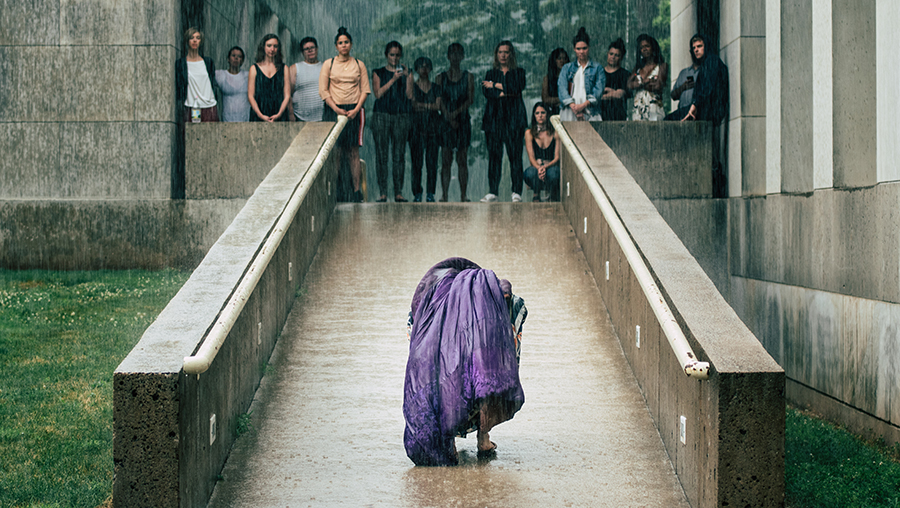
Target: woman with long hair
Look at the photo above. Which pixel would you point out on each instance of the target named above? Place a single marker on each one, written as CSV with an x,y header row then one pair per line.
x,y
581,83
550,86
504,119
650,74
195,81
233,84
344,86
542,145
391,120
268,87
457,95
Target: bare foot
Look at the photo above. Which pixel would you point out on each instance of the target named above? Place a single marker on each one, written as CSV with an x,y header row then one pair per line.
x,y
484,442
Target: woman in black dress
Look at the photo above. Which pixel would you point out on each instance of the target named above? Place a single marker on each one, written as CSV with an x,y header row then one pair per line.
x,y
268,89
426,130
391,120
504,120
457,95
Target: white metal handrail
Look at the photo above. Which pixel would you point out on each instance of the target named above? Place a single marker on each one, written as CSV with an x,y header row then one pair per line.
x,y
200,362
671,329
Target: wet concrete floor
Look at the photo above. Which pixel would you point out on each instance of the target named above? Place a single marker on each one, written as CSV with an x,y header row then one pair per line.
x,y
327,419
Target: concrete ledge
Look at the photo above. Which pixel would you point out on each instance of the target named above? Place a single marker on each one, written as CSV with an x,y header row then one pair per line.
x,y
229,160
162,421
113,235
733,452
667,159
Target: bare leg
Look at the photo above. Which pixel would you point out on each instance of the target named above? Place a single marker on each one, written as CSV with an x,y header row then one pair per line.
x,y
492,413
446,166
355,169
462,163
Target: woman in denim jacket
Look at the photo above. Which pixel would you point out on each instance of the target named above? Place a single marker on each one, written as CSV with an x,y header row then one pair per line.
x,y
581,83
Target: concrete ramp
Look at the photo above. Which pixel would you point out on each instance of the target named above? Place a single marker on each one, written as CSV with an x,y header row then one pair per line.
x,y
327,418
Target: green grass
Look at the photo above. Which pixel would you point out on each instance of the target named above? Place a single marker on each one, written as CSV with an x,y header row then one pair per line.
x,y
62,334
827,466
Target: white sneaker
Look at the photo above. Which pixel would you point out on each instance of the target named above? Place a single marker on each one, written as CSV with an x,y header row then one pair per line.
x,y
489,198
516,198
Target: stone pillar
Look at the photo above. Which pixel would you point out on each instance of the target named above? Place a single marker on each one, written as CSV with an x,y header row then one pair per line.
x,y
855,74
887,18
742,46
773,96
823,96
796,96
683,26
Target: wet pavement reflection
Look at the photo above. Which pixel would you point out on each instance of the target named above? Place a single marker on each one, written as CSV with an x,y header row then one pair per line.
x,y
327,419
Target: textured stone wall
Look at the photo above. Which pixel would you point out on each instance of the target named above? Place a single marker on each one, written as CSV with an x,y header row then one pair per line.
x,y
86,89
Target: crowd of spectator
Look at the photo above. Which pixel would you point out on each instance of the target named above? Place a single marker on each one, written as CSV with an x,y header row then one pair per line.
x,y
432,116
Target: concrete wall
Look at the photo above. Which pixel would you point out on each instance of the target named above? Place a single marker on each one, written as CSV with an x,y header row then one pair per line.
x,y
733,454
229,160
163,452
69,133
110,234
661,172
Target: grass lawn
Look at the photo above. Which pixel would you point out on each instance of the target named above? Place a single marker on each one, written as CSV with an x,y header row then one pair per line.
x,y
826,466
62,334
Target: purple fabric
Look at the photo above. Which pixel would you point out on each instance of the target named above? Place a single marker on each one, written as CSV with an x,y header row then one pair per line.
x,y
461,351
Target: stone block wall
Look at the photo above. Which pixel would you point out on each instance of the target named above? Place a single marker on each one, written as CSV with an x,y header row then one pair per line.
x,y
85,99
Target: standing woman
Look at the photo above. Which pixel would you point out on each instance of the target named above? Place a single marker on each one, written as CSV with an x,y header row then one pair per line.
x,y
542,145
427,128
550,86
504,120
308,106
581,83
195,81
457,95
233,84
650,72
268,88
344,86
612,104
390,120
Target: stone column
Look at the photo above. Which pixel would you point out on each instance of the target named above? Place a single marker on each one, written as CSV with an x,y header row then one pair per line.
x,y
855,133
887,47
742,46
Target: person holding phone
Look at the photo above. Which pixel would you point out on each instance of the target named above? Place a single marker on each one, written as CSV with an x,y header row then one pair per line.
x,y
391,121
683,89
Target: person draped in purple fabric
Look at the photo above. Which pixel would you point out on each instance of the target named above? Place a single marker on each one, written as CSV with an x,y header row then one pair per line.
x,y
462,373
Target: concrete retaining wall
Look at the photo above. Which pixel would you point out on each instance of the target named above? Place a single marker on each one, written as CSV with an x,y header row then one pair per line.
x,y
664,173
229,160
162,448
111,234
733,453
